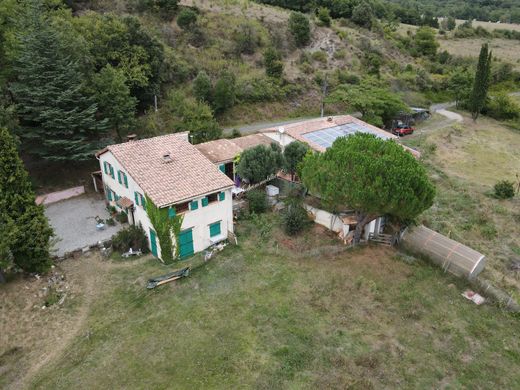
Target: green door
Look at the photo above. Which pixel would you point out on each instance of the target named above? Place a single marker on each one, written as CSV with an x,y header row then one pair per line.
x,y
153,242
186,243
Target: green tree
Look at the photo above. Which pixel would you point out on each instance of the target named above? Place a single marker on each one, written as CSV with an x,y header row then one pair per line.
x,y
363,14
377,104
300,28
202,88
273,63
246,39
324,16
370,175
293,156
193,116
24,228
425,42
114,99
225,92
459,84
164,8
258,163
186,18
57,117
478,96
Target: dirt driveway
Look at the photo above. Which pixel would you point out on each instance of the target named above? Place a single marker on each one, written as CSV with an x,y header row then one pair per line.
x,y
73,221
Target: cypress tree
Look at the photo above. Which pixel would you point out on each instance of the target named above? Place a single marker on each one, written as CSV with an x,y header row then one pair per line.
x,y
57,119
481,83
24,228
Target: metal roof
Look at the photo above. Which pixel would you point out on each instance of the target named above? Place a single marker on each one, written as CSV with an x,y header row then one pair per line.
x,y
326,137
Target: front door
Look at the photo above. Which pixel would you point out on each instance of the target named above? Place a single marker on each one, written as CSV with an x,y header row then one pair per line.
x,y
185,243
153,243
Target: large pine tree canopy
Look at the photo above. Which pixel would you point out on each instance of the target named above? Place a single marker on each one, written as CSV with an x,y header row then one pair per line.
x,y
57,117
24,229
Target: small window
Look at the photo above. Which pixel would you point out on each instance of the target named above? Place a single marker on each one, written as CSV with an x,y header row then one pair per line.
x,y
136,198
143,201
222,168
108,192
119,177
194,205
205,202
125,179
182,207
111,171
222,196
214,229
213,197
105,166
171,212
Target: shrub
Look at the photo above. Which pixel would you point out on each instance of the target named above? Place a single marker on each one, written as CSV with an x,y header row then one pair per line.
x,y
299,28
257,201
246,39
186,18
320,56
363,14
324,16
131,237
504,189
502,107
273,63
295,218
202,88
122,217
225,92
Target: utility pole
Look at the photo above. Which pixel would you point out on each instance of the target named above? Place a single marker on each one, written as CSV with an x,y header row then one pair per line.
x,y
155,102
323,95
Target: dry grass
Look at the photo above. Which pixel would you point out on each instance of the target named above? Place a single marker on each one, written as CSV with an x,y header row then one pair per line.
x,y
465,162
492,26
506,49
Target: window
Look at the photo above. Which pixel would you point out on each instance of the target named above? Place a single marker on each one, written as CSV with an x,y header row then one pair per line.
x,y
182,207
137,196
214,229
119,174
205,201
108,193
194,205
143,201
213,197
109,169
125,179
122,179
221,196
222,168
171,212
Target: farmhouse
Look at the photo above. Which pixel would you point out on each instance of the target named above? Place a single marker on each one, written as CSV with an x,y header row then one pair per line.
x,y
178,179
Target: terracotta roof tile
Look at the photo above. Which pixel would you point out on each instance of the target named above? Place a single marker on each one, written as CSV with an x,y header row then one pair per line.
x,y
219,150
186,175
249,141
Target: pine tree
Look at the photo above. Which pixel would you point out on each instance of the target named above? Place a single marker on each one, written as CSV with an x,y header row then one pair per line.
x,y
57,118
24,228
481,82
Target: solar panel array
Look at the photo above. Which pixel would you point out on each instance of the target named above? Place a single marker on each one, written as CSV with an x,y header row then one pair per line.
x,y
326,137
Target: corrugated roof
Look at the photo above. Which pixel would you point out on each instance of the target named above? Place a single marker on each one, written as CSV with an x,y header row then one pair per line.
x,y
185,175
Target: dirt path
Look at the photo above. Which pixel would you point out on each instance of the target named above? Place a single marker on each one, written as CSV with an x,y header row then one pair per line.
x,y
33,337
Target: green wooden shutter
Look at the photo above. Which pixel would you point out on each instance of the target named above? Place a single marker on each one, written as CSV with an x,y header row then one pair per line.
x,y
125,180
136,197
143,201
222,196
171,212
214,229
106,167
205,202
109,194
111,171
222,168
119,177
194,205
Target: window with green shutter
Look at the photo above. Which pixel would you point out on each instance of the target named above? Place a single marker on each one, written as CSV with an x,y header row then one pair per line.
x,y
194,205
125,179
222,168
111,171
171,212
108,192
214,229
222,196
205,202
143,201
119,179
105,166
136,198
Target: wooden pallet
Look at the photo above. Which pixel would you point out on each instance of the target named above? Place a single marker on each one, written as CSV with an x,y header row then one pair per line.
x,y
385,239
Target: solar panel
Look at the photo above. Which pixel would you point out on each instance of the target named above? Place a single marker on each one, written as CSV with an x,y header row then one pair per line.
x,y
326,137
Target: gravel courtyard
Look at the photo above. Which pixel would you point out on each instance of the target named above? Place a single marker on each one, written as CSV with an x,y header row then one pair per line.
x,y
73,221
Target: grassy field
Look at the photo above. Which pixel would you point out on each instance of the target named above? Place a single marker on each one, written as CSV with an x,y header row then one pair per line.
x,y
278,312
465,161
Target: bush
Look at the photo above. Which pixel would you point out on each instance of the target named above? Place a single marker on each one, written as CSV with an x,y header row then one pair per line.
x,y
257,201
246,39
320,56
122,217
187,18
299,28
502,107
295,218
324,16
273,63
131,237
504,189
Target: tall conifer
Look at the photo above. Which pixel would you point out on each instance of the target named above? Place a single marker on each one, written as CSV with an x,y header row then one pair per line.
x,y
481,84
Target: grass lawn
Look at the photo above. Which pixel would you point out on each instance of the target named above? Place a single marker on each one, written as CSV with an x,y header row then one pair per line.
x,y
277,312
465,161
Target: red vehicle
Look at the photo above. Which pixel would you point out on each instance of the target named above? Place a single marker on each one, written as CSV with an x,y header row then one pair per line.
x,y
402,129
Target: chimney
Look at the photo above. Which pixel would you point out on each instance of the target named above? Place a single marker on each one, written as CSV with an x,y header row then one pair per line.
x,y
166,157
329,119
131,137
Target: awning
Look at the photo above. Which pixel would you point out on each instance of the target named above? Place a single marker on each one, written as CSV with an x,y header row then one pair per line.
x,y
125,203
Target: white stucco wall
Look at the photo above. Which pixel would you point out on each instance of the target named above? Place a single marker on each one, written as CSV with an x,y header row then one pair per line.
x,y
199,220
283,139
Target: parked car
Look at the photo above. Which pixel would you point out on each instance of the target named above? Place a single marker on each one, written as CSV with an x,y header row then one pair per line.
x,y
402,129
